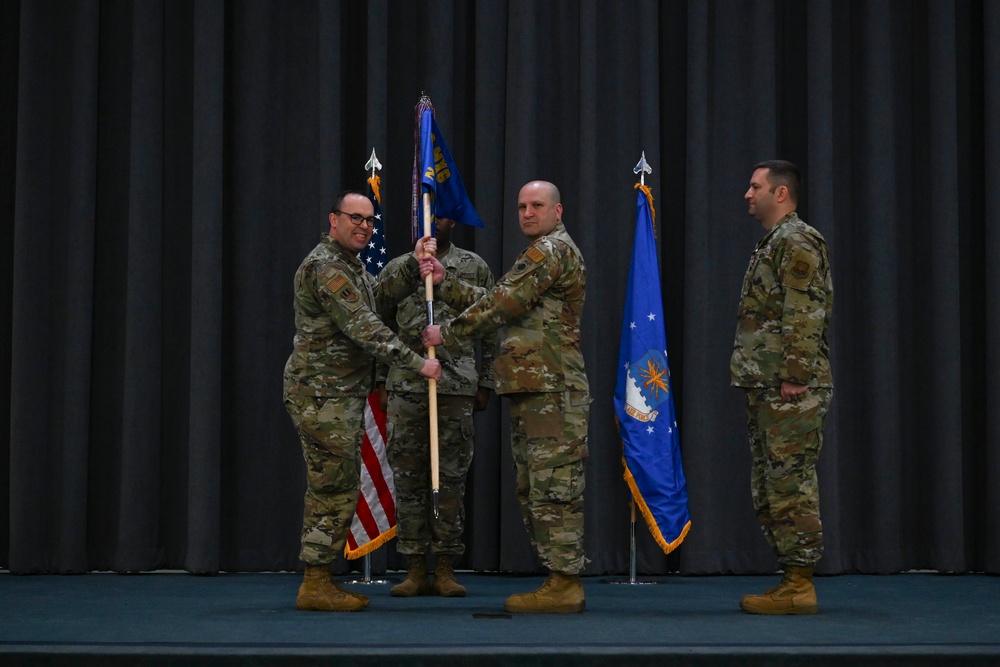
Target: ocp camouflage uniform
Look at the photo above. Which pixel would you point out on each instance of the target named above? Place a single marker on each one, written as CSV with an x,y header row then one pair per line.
x,y
329,373
402,300
781,334
540,367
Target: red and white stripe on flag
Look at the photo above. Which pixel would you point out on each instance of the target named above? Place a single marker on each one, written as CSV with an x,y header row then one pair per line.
x,y
374,521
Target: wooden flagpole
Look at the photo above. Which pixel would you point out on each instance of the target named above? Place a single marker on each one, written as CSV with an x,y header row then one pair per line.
x,y
432,405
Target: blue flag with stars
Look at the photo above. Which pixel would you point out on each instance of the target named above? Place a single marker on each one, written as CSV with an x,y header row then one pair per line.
x,y
373,255
644,402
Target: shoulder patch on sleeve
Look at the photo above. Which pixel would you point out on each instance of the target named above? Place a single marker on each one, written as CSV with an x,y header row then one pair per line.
x,y
349,295
801,268
337,282
530,260
344,291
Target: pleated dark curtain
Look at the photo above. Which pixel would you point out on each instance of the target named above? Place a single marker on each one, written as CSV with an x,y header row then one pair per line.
x,y
164,166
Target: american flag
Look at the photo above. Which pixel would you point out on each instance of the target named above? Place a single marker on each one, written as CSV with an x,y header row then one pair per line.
x,y
374,521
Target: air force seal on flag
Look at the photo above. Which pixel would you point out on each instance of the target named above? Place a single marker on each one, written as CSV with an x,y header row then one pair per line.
x,y
647,385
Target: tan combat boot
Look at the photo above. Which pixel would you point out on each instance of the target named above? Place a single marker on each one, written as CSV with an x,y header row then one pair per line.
x,y
319,592
559,594
794,595
444,579
416,579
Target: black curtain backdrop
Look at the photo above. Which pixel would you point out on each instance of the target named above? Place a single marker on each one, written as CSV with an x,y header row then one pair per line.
x,y
166,164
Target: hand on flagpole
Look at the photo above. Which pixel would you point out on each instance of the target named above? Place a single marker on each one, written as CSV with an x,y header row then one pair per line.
x,y
426,247
424,252
432,335
431,369
431,266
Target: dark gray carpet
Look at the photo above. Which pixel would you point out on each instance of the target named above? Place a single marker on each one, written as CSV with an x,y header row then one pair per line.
x,y
176,618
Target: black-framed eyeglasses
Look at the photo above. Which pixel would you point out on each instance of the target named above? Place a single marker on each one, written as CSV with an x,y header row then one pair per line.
x,y
357,218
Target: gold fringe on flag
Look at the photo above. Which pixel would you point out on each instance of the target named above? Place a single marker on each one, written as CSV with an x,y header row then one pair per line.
x,y
648,515
657,534
368,546
649,197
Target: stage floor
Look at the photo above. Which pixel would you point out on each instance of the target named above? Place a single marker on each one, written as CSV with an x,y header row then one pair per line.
x,y
179,619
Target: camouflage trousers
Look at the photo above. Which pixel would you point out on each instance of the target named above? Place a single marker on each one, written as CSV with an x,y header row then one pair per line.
x,y
785,442
549,444
408,451
330,430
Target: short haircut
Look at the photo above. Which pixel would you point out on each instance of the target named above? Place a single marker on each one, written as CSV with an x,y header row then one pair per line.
x,y
782,172
339,201
554,191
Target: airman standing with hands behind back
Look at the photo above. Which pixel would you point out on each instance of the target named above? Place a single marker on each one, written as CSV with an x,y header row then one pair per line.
x,y
781,361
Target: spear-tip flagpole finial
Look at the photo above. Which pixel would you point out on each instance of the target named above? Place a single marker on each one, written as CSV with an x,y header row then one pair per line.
x,y
642,168
373,164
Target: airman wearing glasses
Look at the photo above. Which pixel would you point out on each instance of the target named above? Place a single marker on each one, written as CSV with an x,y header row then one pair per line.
x,y
328,376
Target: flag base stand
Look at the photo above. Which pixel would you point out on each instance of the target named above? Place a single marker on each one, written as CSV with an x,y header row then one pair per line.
x,y
631,580
366,571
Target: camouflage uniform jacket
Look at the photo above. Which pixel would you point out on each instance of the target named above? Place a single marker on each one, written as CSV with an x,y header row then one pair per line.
x,y
785,310
401,299
538,303
337,333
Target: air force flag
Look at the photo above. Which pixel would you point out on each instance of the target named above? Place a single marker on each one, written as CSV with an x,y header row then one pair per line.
x,y
644,403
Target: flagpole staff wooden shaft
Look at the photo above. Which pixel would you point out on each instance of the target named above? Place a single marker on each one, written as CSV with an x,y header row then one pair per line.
x,y
432,404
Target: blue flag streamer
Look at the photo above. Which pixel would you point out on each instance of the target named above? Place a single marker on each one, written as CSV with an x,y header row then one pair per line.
x,y
644,402
439,176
